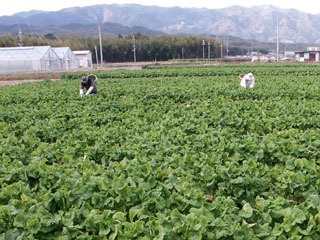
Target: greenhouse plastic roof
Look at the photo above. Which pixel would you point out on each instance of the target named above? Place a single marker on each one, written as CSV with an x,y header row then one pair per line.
x,y
61,51
23,53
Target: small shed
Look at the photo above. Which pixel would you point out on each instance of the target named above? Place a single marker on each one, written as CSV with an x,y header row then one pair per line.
x,y
28,59
84,57
69,61
311,55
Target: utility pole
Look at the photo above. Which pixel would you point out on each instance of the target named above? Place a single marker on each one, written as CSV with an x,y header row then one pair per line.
x,y
20,38
100,39
277,39
134,49
227,46
251,49
221,55
203,44
96,52
209,44
182,53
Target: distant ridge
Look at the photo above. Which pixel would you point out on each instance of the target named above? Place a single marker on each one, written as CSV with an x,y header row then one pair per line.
x,y
258,23
76,29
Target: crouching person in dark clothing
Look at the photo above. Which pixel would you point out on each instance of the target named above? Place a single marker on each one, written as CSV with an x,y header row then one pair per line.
x,y
89,84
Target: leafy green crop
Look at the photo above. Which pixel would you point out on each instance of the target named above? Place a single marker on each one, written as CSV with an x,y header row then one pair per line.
x,y
206,70
171,157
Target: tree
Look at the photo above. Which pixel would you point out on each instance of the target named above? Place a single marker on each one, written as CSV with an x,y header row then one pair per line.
x,y
119,49
50,36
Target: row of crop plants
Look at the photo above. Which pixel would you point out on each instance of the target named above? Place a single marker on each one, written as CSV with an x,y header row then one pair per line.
x,y
161,158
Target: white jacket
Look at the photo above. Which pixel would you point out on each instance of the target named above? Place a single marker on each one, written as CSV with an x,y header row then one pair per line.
x,y
247,81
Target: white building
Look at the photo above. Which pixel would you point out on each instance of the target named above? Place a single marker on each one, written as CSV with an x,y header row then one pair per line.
x,y
69,61
307,56
311,55
28,59
84,57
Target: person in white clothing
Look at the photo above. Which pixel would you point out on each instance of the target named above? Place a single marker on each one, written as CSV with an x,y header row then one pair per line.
x,y
247,80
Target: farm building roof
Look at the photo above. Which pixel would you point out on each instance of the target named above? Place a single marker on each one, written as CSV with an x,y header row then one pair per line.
x,y
81,52
23,53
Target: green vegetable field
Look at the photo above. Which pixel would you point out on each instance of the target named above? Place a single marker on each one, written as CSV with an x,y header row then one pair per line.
x,y
167,152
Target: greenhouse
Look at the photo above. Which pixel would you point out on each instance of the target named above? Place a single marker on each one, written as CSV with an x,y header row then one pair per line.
x,y
68,59
29,59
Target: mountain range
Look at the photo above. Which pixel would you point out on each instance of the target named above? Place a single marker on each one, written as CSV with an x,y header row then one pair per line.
x,y
77,29
257,23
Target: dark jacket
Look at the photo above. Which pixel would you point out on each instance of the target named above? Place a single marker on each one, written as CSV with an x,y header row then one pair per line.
x,y
88,84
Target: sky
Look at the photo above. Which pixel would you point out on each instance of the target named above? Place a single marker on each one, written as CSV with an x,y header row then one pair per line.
x,y
13,6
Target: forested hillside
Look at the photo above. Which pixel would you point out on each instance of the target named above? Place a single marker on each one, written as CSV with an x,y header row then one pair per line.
x,y
115,49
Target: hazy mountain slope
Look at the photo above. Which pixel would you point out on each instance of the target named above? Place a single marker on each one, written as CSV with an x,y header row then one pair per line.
x,y
76,29
251,23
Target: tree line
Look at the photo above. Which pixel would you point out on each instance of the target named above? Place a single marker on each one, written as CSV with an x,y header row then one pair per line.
x,y
120,48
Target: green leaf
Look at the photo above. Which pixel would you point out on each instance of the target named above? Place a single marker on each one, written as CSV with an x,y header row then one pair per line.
x,y
33,224
114,235
176,218
194,235
262,203
20,220
104,231
12,234
139,227
264,230
119,216
133,213
277,230
246,211
197,227
46,217
299,216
